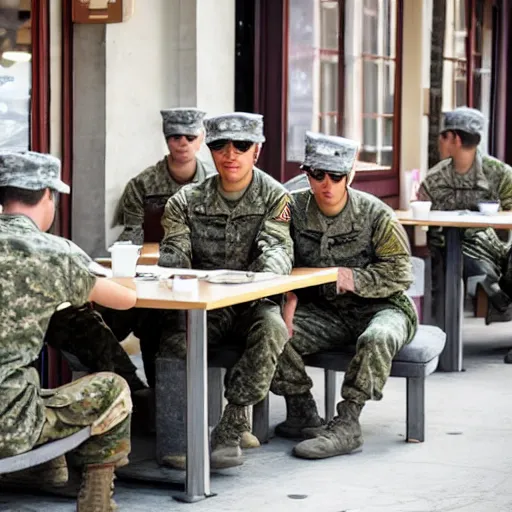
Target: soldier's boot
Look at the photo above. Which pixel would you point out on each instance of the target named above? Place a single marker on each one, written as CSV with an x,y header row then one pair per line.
x,y
45,477
226,437
301,413
342,435
494,315
249,441
497,297
177,461
97,489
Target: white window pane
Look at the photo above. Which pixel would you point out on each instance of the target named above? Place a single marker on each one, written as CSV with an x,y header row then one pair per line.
x,y
312,71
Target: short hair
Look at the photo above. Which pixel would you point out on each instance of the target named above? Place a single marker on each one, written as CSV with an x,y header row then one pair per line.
x,y
20,195
468,140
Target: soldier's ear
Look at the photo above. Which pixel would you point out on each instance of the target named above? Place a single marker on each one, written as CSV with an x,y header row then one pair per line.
x,y
257,152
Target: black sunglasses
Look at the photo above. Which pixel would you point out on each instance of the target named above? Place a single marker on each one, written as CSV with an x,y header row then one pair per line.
x,y
241,146
190,138
319,174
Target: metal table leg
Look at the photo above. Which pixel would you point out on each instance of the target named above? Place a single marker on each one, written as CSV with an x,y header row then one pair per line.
x,y
197,485
451,357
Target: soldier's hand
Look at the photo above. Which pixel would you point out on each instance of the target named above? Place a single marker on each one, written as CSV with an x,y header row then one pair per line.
x,y
289,311
345,280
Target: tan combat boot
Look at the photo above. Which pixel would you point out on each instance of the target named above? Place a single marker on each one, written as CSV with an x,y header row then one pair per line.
x,y
226,437
97,488
301,413
247,441
342,435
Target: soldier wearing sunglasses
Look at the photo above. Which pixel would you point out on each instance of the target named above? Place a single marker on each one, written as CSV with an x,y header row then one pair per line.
x,y
184,132
334,225
239,220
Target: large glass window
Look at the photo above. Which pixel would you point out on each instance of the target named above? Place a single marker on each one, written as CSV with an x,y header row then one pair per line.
x,y
468,27
15,74
342,84
455,56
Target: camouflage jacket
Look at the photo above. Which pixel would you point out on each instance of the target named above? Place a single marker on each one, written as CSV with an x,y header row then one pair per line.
x,y
203,231
39,273
366,237
488,180
149,190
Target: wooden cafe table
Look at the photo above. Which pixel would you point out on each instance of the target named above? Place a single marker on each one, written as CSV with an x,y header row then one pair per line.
x,y
454,223
154,294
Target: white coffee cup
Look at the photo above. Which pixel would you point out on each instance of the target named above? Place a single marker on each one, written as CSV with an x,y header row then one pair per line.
x,y
124,259
420,209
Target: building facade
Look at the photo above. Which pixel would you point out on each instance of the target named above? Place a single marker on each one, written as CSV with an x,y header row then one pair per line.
x,y
378,71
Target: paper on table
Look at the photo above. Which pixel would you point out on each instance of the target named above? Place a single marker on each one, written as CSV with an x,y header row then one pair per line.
x,y
239,277
221,276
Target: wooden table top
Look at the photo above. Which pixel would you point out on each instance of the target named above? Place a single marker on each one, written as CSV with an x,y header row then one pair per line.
x,y
501,220
156,295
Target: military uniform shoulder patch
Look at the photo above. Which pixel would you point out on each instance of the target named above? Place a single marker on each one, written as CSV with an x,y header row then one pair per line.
x,y
285,215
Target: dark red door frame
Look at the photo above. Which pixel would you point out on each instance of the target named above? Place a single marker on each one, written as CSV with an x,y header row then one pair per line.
x,y
66,116
40,90
270,81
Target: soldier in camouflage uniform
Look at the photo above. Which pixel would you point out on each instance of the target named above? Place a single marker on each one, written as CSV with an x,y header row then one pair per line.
x,y
334,225
144,198
464,178
149,191
239,220
40,274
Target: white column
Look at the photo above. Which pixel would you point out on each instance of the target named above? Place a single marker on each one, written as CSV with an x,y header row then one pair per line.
x,y
415,84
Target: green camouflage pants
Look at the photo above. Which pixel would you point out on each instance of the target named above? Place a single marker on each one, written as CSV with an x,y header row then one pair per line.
x,y
257,330
82,332
101,400
378,334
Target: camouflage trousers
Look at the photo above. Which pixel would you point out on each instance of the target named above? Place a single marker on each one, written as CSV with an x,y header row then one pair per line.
x,y
82,332
483,254
378,334
257,330
102,401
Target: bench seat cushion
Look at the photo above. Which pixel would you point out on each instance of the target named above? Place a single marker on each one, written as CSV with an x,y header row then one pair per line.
x,y
45,452
425,346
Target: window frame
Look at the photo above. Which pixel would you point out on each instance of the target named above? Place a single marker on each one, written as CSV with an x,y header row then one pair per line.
x,y
382,181
40,90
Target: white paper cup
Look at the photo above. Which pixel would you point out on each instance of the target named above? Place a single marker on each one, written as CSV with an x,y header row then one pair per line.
x,y
489,207
420,209
124,259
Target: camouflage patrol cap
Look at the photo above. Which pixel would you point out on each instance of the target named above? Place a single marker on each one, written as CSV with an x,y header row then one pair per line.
x,y
235,126
31,171
182,121
334,154
466,119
